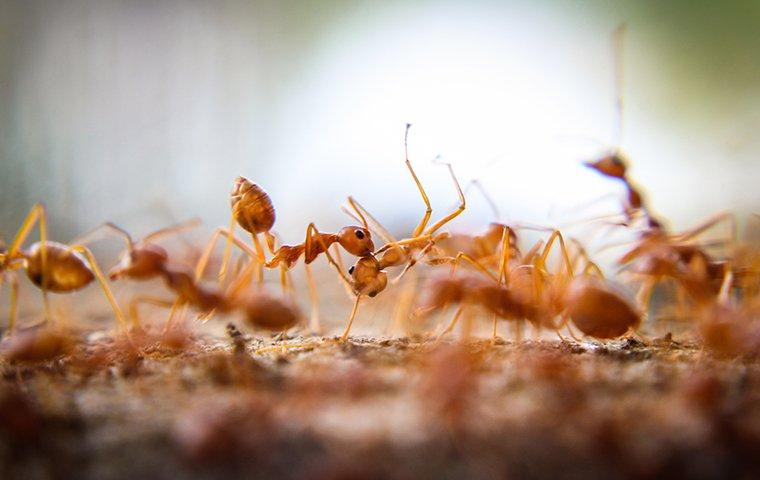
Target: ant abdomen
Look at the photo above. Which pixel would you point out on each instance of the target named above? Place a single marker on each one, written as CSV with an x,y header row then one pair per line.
x,y
66,270
251,206
271,312
599,309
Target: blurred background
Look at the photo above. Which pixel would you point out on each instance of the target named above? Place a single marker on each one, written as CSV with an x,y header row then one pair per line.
x,y
143,112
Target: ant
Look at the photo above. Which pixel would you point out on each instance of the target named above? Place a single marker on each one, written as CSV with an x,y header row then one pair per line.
x,y
144,260
356,240
51,266
367,274
253,210
594,305
657,254
423,238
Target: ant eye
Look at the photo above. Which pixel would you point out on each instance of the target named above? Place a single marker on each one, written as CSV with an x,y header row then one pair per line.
x,y
359,234
351,270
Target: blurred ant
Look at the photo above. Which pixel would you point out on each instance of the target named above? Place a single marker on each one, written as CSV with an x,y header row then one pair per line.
x,y
657,254
51,266
144,260
594,305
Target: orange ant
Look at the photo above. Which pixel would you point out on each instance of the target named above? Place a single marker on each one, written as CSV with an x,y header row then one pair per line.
x,y
253,210
423,238
144,259
367,276
594,305
51,266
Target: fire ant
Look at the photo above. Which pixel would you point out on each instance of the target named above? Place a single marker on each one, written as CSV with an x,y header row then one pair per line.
x,y
144,260
51,266
367,274
594,305
656,254
253,210
422,239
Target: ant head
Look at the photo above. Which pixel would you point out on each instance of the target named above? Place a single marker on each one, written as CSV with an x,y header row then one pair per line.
x,y
356,240
251,206
612,165
144,261
367,277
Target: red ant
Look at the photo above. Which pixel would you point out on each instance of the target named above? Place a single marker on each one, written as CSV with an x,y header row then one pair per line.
x,y
51,266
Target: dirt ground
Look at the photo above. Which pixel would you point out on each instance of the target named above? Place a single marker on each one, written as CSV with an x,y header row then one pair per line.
x,y
238,406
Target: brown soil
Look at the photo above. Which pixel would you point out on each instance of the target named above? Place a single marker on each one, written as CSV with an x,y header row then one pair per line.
x,y
381,408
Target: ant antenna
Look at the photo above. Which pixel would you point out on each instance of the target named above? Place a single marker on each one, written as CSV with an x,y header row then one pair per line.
x,y
618,44
406,141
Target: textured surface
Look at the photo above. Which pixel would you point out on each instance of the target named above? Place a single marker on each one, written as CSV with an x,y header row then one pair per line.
x,y
381,408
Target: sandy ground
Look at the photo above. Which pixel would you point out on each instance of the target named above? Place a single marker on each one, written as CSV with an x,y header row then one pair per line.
x,y
221,407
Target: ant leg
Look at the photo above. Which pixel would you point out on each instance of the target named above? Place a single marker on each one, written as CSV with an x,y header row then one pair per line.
x,y
428,209
344,337
493,329
517,329
451,325
36,215
134,304
314,298
342,266
13,311
710,223
506,252
644,295
97,232
462,204
177,305
404,305
173,229
413,261
271,242
227,251
102,280
200,267
260,256
463,256
556,235
724,294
